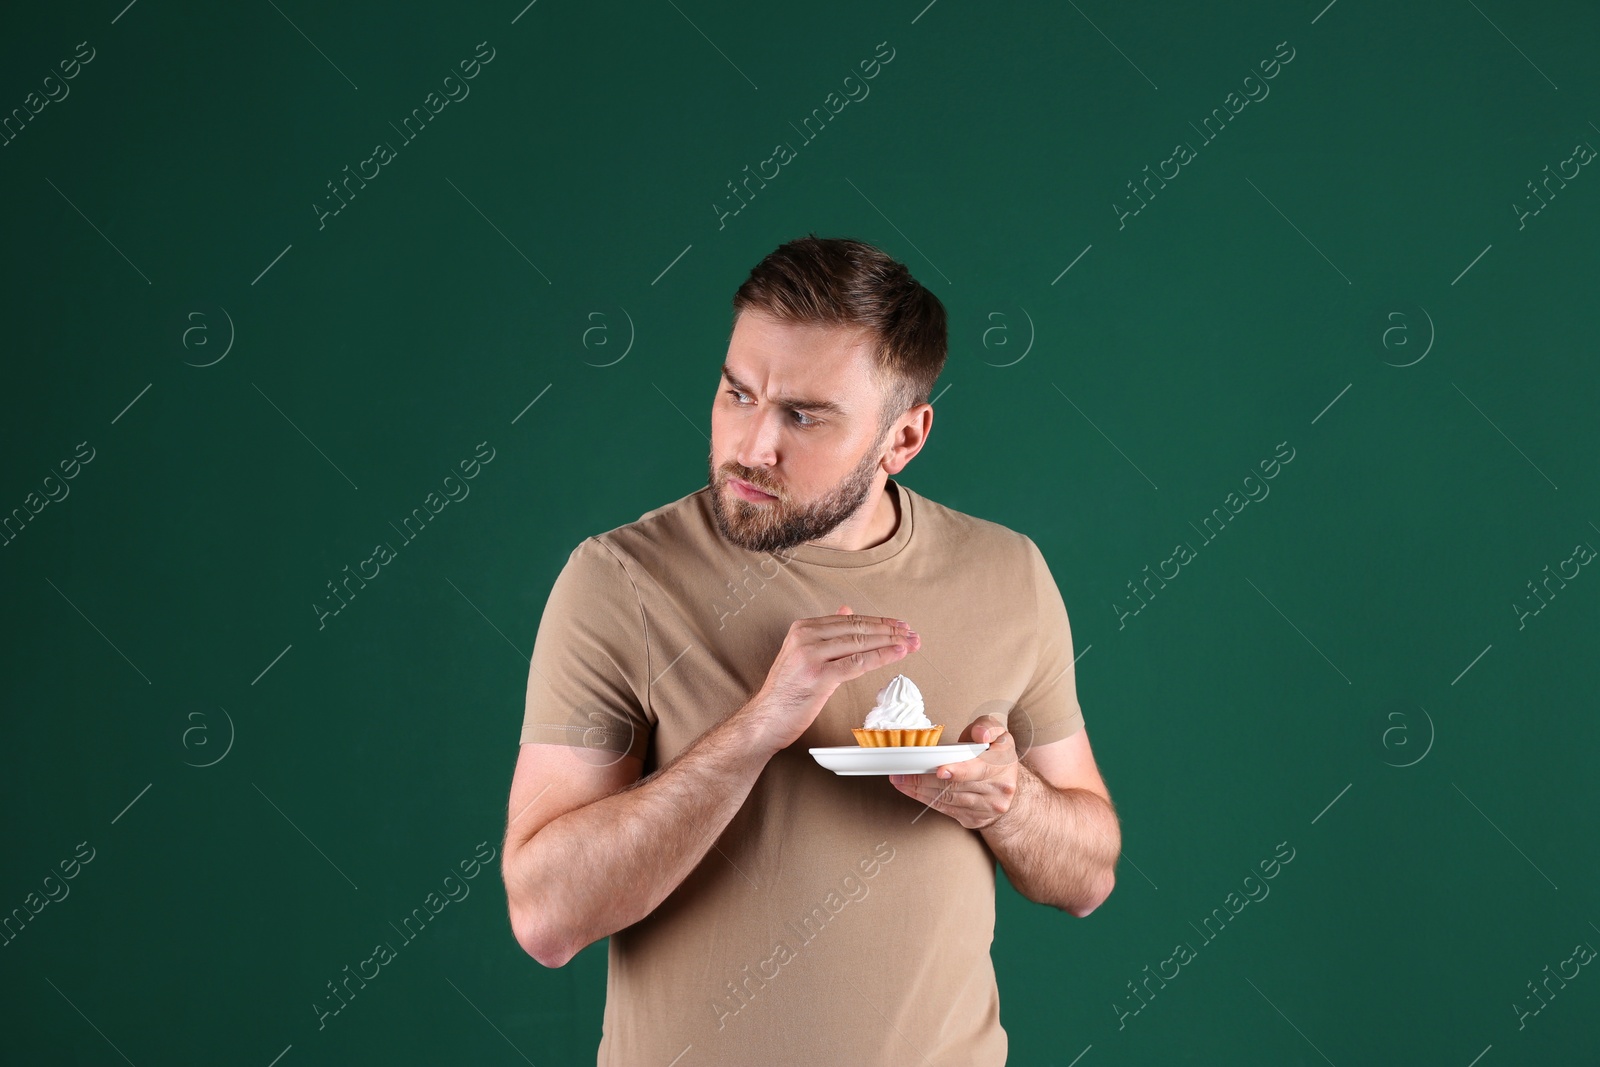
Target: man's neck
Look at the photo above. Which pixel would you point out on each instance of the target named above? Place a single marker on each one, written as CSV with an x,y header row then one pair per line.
x,y
883,524
887,518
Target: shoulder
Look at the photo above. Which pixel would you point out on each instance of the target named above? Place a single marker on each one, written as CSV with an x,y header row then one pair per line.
x,y
611,574
669,528
972,537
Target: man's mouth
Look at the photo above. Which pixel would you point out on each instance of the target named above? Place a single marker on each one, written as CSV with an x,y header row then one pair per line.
x,y
748,491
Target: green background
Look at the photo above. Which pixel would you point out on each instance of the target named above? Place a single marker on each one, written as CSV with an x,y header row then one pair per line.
x,y
1342,669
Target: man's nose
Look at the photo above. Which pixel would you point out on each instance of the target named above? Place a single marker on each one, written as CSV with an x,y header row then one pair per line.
x,y
758,440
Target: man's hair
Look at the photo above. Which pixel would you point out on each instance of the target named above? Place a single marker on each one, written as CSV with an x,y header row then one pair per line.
x,y
836,281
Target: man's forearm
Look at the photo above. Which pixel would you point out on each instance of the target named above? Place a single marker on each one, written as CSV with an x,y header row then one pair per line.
x,y
1058,847
602,867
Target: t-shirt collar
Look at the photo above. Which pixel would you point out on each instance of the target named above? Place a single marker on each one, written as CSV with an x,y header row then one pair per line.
x,y
864,557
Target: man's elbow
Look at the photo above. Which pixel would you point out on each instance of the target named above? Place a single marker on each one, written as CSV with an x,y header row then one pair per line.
x,y
544,940
553,959
538,943
1102,890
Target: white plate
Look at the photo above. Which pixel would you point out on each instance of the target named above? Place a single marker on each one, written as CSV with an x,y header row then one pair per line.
x,y
906,759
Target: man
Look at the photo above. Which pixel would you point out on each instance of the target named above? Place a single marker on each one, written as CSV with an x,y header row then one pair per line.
x,y
762,909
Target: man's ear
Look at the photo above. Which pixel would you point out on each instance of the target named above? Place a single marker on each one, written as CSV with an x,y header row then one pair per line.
x,y
908,436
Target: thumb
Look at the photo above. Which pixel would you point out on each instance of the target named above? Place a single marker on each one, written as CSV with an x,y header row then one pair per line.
x,y
844,611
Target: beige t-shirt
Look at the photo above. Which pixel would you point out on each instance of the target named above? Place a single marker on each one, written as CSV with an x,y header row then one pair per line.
x,y
837,920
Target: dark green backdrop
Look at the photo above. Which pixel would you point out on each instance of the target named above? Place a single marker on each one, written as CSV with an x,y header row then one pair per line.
x,y
1351,267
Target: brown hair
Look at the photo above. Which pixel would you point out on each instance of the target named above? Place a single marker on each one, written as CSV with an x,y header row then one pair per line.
x,y
836,281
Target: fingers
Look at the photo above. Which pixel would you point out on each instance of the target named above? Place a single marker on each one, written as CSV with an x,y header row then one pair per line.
x,y
971,770
840,624
962,772
845,658
889,653
1002,750
875,639
862,643
862,635
852,660
986,728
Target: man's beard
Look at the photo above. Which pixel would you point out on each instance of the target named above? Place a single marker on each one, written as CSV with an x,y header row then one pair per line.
x,y
778,525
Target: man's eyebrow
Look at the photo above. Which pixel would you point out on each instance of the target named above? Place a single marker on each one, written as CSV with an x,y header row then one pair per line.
x,y
801,403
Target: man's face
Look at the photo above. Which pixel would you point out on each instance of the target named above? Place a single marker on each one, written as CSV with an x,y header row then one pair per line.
x,y
772,426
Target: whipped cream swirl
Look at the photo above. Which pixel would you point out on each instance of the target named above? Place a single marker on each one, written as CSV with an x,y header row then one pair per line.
x,y
899,707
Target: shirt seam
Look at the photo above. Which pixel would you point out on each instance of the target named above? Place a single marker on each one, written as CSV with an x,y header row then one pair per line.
x,y
1038,616
853,565
649,709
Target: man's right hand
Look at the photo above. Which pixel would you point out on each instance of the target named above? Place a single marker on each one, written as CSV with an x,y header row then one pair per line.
x,y
818,656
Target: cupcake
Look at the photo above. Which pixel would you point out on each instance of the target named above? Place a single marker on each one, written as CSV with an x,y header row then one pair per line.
x,y
897,719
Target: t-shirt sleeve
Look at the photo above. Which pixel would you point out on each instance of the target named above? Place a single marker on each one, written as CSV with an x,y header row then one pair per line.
x,y
588,679
1048,708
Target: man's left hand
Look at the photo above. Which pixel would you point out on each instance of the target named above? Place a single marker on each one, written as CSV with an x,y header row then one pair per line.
x,y
974,792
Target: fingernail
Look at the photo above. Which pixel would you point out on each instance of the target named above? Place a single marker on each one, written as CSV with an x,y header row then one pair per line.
x,y
944,774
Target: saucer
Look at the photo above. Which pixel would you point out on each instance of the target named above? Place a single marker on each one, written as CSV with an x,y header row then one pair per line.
x,y
907,759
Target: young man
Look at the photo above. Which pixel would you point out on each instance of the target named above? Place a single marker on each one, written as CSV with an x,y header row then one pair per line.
x,y
760,908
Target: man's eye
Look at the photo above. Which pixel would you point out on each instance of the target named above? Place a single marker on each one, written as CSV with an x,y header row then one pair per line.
x,y
801,418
